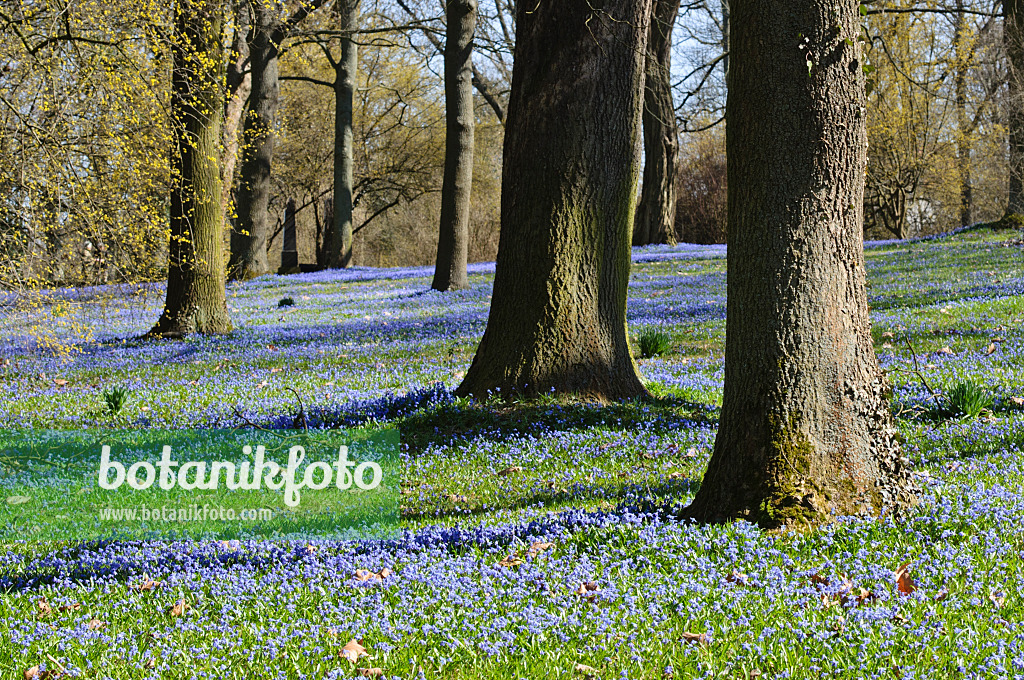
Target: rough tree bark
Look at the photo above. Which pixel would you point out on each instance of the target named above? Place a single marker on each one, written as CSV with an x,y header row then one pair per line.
x,y
249,237
655,216
456,188
558,312
196,300
344,89
805,429
1013,40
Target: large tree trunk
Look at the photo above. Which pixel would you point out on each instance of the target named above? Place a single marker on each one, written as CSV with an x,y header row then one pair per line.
x,y
195,279
249,238
558,314
453,240
805,429
344,90
655,216
1013,39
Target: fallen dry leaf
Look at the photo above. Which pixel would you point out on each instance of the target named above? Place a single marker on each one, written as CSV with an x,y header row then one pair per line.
x,y
941,595
991,348
588,590
363,575
60,382
510,561
73,607
998,598
150,665
353,650
737,577
44,608
35,674
147,585
904,583
509,471
702,638
946,350
96,624
179,608
369,672
1017,401
537,547
586,671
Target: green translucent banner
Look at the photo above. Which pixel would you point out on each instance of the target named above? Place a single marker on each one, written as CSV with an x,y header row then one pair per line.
x,y
211,484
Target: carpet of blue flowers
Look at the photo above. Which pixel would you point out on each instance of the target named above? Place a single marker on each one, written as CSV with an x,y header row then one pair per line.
x,y
541,538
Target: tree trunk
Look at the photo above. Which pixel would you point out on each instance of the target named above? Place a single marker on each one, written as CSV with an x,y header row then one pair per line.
x,y
558,314
239,81
453,240
805,429
344,89
249,238
655,216
1013,39
963,139
196,300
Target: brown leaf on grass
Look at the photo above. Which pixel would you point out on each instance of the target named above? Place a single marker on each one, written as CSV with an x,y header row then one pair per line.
x,y
509,471
60,382
147,585
588,672
179,608
677,475
1017,401
737,577
537,547
904,583
701,638
96,624
73,607
364,575
44,608
370,672
998,598
588,590
945,350
888,335
150,665
510,561
991,348
941,595
35,674
353,651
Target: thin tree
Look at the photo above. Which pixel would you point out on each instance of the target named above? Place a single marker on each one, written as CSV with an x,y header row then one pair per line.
x,y
456,188
1013,40
340,250
249,238
805,430
196,301
558,314
656,214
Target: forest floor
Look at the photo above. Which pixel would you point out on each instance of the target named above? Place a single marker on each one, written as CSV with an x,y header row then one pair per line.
x,y
538,539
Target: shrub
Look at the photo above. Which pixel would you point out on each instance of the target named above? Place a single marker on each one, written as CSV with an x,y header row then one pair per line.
x,y
968,398
654,342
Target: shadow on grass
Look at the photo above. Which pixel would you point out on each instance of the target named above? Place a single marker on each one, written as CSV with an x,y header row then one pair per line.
x,y
461,421
666,492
